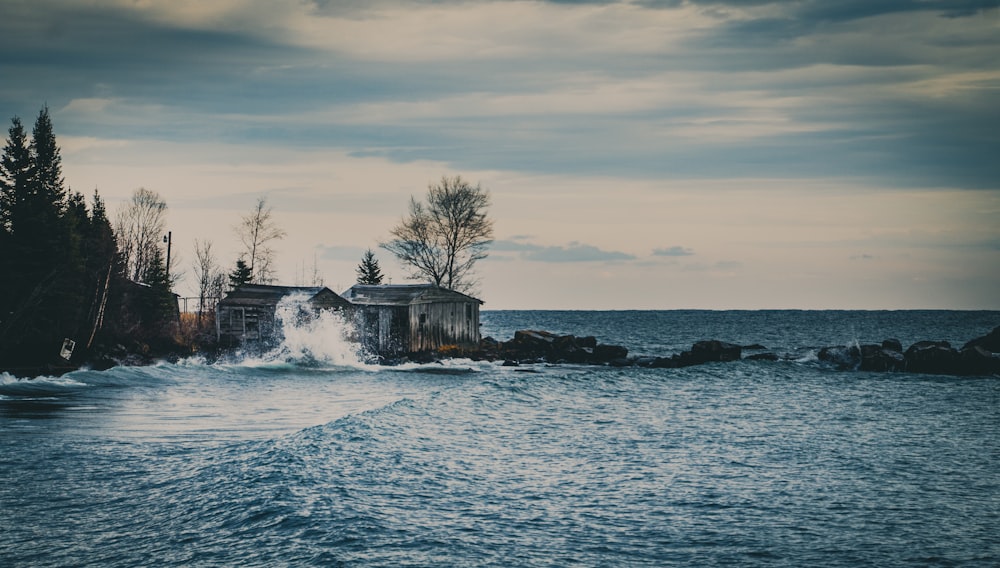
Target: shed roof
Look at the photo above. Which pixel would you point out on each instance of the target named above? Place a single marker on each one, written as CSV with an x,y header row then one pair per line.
x,y
260,294
403,294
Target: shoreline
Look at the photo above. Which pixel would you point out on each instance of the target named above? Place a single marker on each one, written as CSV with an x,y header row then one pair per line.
x,y
977,357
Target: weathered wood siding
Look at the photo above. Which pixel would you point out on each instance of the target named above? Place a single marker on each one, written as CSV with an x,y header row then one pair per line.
x,y
236,324
248,314
383,328
434,325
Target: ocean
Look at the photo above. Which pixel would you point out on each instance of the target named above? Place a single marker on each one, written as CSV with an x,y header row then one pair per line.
x,y
309,457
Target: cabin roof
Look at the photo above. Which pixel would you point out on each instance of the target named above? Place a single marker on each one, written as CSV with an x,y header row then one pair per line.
x,y
403,295
260,294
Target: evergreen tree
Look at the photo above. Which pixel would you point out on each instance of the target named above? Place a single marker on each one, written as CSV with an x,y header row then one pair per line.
x,y
241,275
41,293
44,250
15,171
102,267
46,174
157,306
369,272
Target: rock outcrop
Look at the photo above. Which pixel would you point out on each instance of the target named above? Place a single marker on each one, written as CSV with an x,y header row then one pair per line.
x,y
980,356
533,346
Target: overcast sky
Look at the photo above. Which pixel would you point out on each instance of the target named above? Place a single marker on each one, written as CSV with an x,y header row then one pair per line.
x,y
639,154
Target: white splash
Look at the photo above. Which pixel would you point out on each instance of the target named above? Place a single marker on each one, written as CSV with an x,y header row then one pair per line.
x,y
312,338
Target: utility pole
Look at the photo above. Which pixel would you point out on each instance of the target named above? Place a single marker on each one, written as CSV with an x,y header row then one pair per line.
x,y
167,239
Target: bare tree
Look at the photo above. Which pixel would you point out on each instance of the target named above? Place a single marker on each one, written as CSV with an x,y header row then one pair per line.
x,y
257,231
314,278
211,278
443,239
139,227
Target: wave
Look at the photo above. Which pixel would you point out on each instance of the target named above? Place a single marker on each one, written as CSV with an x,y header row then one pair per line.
x,y
83,379
306,339
38,386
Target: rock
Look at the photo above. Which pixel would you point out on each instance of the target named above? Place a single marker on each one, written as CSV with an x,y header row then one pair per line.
x,y
934,357
609,353
976,360
754,347
644,361
892,345
710,351
570,349
842,357
716,351
664,363
990,342
881,358
530,345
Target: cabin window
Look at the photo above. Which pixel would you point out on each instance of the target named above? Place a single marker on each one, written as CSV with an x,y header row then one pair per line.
x,y
468,312
422,319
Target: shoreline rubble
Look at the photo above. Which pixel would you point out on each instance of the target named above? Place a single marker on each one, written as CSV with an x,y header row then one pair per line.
x,y
978,357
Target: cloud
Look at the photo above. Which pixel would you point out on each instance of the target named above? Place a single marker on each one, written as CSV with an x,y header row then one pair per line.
x,y
514,244
575,252
696,89
673,251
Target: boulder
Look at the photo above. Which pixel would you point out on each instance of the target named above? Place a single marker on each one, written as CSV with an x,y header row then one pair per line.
x,y
663,363
976,360
990,342
892,345
843,357
934,357
767,356
571,349
609,353
882,358
710,351
528,344
541,345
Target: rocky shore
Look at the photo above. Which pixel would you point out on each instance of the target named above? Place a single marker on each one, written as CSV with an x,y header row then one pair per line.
x,y
981,356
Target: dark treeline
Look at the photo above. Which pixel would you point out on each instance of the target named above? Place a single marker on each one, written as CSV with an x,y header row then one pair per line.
x,y
61,276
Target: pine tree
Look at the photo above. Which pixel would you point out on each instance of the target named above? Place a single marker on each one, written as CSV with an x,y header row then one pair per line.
x,y
103,266
369,272
240,276
42,250
158,311
46,175
15,171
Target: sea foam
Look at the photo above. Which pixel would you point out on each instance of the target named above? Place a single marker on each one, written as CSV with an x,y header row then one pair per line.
x,y
310,338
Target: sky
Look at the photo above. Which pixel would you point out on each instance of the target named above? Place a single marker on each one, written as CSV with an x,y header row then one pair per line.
x,y
640,154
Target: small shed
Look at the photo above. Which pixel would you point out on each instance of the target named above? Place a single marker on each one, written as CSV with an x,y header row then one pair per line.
x,y
247,314
396,319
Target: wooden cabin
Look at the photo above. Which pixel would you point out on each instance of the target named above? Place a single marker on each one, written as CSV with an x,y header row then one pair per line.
x,y
396,319
247,314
